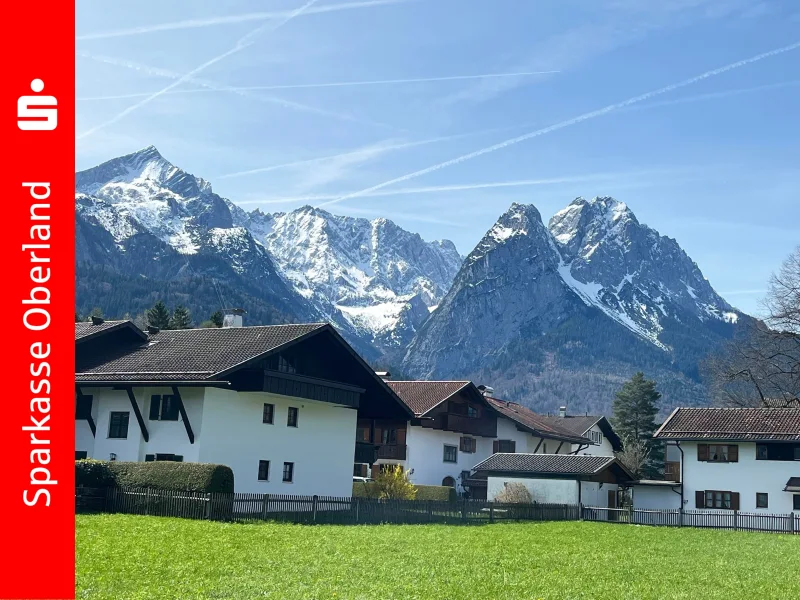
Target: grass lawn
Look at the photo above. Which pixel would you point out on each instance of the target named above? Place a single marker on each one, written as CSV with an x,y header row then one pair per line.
x,y
125,557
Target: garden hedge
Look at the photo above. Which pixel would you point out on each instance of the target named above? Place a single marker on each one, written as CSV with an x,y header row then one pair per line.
x,y
162,475
441,493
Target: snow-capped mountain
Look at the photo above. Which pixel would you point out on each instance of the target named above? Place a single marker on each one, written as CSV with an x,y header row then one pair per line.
x,y
143,216
374,275
562,314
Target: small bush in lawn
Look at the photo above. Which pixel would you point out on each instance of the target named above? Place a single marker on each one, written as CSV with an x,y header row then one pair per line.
x,y
392,484
514,493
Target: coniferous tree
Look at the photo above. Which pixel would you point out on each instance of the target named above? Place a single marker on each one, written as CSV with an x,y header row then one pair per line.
x,y
635,410
158,316
181,318
217,318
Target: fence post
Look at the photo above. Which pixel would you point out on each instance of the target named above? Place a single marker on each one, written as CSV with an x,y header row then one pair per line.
x,y
314,508
791,522
265,506
464,510
580,511
736,520
680,517
357,505
491,513
147,501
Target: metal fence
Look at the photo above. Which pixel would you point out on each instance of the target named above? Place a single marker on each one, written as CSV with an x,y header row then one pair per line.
x,y
333,510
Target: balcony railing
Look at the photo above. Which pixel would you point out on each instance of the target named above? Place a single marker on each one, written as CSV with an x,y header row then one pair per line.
x,y
672,471
463,424
365,452
392,451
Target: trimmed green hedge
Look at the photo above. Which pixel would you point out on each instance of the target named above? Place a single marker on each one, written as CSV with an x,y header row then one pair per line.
x,y
162,475
441,493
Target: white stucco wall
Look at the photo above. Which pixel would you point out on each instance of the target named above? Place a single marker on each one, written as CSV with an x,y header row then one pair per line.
x,y
604,449
321,446
596,494
748,476
545,491
654,497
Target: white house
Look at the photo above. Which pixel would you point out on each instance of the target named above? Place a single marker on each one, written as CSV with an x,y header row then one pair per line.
x,y
557,479
454,427
278,404
744,459
603,439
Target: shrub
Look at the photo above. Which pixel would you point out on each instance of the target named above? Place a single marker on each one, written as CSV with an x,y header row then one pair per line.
x,y
162,475
514,493
362,489
392,484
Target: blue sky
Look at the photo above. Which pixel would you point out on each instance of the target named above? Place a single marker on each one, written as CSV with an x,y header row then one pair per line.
x,y
283,103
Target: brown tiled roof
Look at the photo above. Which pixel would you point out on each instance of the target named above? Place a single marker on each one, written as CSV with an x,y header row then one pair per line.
x,y
422,396
732,424
553,464
187,354
86,329
533,422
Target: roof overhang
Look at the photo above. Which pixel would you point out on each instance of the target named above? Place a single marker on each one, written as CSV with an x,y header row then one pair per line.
x,y
793,485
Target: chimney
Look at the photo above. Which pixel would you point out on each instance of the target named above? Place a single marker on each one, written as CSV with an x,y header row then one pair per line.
x,y
385,375
233,317
562,411
152,330
97,320
486,390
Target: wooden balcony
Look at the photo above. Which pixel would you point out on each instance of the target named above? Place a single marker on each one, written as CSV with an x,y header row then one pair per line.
x,y
365,453
392,451
672,471
484,426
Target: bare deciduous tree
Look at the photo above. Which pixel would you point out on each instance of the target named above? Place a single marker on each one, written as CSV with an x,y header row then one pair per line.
x,y
761,367
635,456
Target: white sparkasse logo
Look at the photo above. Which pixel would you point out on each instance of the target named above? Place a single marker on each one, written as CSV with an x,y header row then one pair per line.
x,y
30,115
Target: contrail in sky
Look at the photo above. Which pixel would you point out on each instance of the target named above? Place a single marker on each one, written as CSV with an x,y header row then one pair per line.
x,y
242,43
567,123
245,18
252,88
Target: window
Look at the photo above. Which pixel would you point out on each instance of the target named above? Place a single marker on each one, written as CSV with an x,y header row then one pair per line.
x,y
269,414
163,457
472,412
504,446
796,500
762,452
81,454
797,452
717,453
717,499
263,470
388,436
83,407
285,365
450,454
596,437
469,445
288,472
360,470
118,425
762,500
163,408
778,451
464,475
291,421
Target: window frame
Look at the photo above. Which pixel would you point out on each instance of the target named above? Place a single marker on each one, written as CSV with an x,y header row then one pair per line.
x,y
83,452
271,414
512,444
290,466
728,452
159,413
293,410
111,425
796,502
445,448
471,445
762,496
263,464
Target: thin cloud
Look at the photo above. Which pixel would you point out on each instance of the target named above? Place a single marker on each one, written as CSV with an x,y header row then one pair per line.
x,y
242,43
569,122
219,87
716,95
250,88
230,19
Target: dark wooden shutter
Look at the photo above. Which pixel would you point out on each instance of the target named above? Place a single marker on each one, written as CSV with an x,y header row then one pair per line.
x,y
702,452
496,446
700,499
734,499
513,446
155,407
733,453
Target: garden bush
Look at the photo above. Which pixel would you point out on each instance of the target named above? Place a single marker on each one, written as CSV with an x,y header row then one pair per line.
x,y
162,475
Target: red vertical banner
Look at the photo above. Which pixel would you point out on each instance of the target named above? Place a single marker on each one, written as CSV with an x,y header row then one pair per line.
x,y
37,129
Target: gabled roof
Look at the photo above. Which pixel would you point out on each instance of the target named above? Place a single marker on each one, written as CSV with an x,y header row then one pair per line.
x,y
782,402
548,464
579,425
423,396
793,485
188,354
534,423
87,330
732,424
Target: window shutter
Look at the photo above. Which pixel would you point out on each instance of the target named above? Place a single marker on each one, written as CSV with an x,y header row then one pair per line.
x,y
700,499
155,407
513,445
702,452
733,453
463,445
495,446
149,457
735,500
